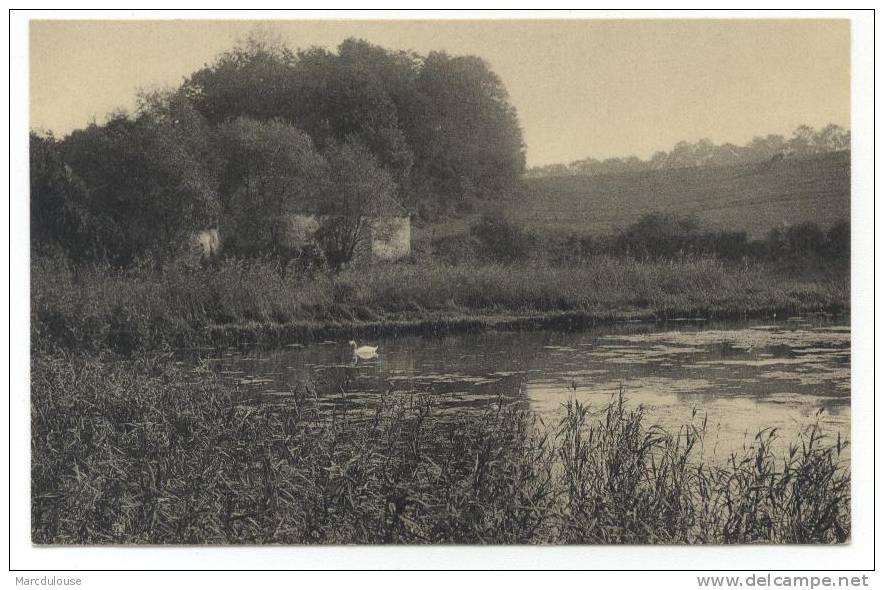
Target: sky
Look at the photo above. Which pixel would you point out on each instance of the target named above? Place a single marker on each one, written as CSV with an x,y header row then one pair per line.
x,y
582,88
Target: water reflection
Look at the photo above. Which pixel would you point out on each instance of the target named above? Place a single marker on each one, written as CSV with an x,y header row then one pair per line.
x,y
742,377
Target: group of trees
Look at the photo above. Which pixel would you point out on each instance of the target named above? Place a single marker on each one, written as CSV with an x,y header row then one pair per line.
x,y
804,141
662,235
652,236
265,131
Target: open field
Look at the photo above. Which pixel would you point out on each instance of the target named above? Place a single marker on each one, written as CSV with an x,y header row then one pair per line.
x,y
754,197
92,308
303,288
145,452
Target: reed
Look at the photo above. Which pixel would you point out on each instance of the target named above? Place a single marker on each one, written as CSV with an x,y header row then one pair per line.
x,y
92,308
142,451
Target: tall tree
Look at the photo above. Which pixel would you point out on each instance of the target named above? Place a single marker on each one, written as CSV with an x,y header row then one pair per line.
x,y
441,126
254,79
347,97
270,171
832,138
172,110
470,143
356,191
58,214
146,190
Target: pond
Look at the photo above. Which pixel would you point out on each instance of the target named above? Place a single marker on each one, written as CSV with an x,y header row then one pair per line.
x,y
740,377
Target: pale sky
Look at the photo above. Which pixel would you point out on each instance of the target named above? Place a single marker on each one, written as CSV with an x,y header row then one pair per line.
x,y
582,88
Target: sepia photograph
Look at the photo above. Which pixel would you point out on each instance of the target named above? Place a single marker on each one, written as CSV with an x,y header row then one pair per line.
x,y
416,281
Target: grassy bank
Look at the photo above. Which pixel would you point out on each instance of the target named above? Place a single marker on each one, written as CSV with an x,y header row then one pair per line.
x,y
140,452
93,308
753,197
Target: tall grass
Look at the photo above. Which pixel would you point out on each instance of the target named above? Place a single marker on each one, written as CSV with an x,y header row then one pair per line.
x,y
143,452
97,307
631,483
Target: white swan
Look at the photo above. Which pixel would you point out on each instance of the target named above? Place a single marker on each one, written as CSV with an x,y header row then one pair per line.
x,y
363,352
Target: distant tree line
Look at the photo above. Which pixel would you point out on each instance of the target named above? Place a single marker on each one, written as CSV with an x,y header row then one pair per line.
x,y
805,141
264,130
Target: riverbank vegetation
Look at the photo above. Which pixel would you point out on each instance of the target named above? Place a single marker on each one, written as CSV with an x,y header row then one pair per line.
x,y
142,451
243,301
128,262
266,133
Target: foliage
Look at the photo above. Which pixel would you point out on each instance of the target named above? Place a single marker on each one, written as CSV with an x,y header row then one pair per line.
x,y
252,128
58,214
797,240
174,112
270,171
93,307
626,482
145,189
472,143
460,248
441,126
838,240
658,235
805,141
356,190
667,236
145,452
356,95
253,79
499,240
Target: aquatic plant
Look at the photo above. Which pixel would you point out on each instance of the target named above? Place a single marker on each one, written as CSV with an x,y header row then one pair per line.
x,y
143,451
233,301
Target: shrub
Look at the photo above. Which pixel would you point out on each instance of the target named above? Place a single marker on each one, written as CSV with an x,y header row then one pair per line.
x,y
658,234
179,305
570,250
500,240
454,249
838,240
730,245
804,239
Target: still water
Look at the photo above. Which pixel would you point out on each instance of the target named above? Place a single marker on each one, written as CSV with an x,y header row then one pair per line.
x,y
740,377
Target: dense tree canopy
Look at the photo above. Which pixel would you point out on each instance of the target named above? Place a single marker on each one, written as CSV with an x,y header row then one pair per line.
x,y
263,131
441,126
58,215
345,97
268,168
474,145
145,188
255,79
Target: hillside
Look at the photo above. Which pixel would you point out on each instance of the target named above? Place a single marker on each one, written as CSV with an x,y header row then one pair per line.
x,y
751,197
